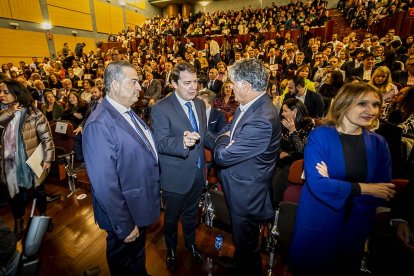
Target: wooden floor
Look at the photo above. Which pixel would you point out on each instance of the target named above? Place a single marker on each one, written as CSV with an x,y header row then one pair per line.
x,y
76,244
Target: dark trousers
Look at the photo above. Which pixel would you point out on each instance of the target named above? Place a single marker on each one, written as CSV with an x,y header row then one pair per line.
x,y
185,205
246,242
126,258
19,202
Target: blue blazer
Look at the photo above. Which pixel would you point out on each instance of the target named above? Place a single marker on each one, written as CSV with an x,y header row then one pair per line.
x,y
247,164
178,165
328,217
216,121
124,174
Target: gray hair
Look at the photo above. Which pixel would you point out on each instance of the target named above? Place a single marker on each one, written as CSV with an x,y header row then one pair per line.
x,y
252,71
115,72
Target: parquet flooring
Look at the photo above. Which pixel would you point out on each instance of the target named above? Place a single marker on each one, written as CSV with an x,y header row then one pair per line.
x,y
76,244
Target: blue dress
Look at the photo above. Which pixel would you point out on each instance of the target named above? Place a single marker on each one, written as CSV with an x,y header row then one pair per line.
x,y
332,224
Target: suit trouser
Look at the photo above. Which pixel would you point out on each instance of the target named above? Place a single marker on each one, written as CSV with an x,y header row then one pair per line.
x,y
186,205
246,242
126,258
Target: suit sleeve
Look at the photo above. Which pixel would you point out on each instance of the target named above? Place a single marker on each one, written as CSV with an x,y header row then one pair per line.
x,y
332,192
252,140
167,142
101,163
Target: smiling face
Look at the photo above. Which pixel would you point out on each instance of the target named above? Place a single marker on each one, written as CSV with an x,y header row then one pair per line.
x,y
363,112
73,100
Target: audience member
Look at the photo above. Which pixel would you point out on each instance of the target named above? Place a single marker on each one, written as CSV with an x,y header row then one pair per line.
x,y
343,188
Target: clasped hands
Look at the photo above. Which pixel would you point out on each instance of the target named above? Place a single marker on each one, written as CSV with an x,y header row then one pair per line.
x,y
190,138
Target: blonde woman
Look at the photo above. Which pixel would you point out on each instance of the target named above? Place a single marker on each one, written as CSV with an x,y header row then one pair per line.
x,y
383,81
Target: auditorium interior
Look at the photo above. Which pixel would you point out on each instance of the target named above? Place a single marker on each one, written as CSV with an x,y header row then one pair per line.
x,y
44,43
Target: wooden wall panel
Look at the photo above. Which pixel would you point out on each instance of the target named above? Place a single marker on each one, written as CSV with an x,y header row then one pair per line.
x,y
26,10
134,19
30,44
5,9
75,5
140,4
70,19
117,19
102,11
72,41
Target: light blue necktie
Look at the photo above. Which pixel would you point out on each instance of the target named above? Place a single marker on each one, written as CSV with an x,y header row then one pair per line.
x,y
193,122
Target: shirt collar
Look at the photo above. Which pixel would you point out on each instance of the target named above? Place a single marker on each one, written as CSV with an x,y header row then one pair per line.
x,y
244,108
119,107
182,102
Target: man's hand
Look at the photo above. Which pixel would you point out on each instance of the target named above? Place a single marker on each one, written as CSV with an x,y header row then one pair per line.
x,y
78,130
133,236
190,138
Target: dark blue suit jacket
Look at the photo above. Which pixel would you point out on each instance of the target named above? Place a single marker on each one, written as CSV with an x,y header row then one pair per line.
x,y
124,173
247,164
178,165
216,121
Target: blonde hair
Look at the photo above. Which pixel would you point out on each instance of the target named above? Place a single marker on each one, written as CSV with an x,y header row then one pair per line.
x,y
346,99
386,86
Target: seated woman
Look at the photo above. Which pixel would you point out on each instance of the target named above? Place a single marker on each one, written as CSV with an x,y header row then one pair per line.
x,y
296,127
54,82
51,108
74,113
383,81
86,92
225,99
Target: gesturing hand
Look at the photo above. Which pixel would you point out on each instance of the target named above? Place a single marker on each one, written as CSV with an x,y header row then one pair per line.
x,y
190,138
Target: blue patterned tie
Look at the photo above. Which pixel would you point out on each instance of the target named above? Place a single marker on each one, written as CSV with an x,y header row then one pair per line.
x,y
191,116
193,122
135,119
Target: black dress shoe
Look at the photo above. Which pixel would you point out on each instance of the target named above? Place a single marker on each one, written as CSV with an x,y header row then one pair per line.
x,y
196,254
226,261
171,260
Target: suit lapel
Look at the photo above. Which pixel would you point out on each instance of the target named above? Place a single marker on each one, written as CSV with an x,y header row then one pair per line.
x,y
201,117
179,110
123,123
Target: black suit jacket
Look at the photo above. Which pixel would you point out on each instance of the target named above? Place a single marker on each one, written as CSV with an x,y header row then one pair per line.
x,y
216,121
313,102
216,88
359,72
169,122
400,76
